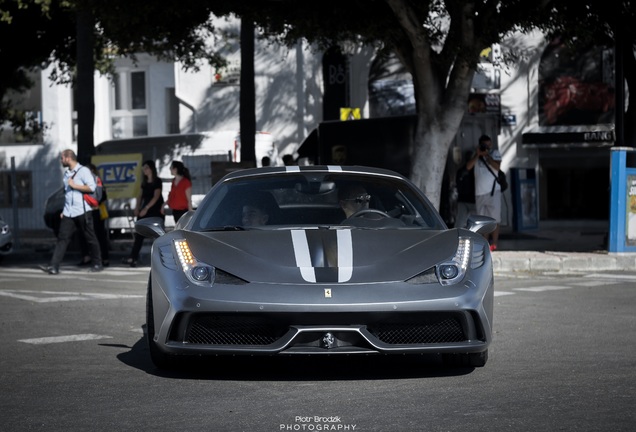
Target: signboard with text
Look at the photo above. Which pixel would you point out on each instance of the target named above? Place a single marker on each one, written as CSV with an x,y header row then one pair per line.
x,y
121,174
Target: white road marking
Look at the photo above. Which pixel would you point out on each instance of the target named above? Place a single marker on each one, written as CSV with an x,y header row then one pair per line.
x,y
60,339
8,275
503,293
543,288
61,296
593,283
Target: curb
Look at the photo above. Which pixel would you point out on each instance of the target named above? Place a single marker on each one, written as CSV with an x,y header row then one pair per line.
x,y
528,261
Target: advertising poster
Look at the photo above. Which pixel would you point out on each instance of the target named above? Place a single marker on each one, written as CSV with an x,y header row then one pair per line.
x,y
630,218
121,174
576,86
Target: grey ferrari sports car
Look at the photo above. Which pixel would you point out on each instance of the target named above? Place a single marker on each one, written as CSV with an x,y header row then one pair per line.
x,y
318,260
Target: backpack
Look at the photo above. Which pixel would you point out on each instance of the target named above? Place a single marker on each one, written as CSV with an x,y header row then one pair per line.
x,y
93,199
502,180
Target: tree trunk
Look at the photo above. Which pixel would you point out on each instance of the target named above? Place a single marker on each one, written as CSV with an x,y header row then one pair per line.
x,y
428,158
438,120
247,109
84,90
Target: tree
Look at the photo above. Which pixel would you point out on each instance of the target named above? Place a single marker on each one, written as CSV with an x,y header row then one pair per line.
x,y
29,35
437,41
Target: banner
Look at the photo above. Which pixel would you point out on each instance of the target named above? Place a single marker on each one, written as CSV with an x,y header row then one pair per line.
x,y
121,174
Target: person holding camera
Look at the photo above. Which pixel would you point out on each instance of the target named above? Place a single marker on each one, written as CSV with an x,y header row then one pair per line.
x,y
486,162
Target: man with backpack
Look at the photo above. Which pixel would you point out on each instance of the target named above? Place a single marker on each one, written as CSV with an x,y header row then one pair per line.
x,y
76,215
486,163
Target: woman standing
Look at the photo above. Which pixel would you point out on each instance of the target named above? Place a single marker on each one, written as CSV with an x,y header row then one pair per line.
x,y
180,196
149,204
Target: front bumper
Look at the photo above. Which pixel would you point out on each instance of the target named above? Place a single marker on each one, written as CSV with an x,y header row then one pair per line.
x,y
326,333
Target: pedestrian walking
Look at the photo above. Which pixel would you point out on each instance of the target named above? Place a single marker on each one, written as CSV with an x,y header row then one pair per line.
x,y
149,204
180,195
76,215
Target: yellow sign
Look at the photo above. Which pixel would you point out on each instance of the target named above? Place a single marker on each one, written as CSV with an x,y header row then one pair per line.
x,y
121,174
350,114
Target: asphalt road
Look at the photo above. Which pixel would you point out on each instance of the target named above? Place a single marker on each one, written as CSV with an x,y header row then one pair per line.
x,y
73,358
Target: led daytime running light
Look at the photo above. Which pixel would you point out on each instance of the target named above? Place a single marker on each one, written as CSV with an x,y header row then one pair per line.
x,y
462,257
184,254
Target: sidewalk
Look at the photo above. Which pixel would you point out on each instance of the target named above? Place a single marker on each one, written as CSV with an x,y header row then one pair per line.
x,y
567,246
560,246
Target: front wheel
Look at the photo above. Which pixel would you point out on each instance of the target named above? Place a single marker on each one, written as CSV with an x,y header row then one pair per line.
x,y
159,358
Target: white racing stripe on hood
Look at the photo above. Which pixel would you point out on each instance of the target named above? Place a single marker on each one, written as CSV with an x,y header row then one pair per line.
x,y
303,259
345,255
303,255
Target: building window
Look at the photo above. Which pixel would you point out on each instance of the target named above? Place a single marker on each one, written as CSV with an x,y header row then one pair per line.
x,y
24,189
130,116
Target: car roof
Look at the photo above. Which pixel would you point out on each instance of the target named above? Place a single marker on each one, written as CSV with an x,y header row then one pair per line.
x,y
353,169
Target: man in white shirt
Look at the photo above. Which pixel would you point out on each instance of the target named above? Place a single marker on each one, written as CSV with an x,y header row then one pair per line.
x,y
76,215
486,162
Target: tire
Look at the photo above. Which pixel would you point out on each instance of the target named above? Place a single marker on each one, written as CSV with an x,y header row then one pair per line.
x,y
466,360
159,358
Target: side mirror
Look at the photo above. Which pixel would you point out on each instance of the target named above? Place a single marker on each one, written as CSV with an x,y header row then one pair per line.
x,y
150,227
481,224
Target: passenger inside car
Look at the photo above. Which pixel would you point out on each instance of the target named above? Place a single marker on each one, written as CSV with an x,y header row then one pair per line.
x,y
254,216
259,209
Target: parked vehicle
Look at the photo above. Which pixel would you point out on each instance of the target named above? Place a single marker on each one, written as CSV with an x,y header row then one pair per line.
x,y
6,238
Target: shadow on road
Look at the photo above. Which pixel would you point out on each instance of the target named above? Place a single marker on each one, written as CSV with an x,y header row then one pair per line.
x,y
295,368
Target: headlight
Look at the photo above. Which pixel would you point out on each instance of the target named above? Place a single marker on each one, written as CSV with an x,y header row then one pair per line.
x,y
451,272
197,272
448,271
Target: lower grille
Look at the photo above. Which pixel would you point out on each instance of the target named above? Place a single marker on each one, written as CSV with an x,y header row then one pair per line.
x,y
233,330
257,330
440,329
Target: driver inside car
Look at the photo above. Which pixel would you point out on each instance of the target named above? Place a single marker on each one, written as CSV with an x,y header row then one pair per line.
x,y
352,199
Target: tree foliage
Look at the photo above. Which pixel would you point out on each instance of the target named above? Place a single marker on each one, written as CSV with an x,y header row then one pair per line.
x,y
30,36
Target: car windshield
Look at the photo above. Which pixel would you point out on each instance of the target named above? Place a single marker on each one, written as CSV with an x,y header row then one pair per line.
x,y
279,200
